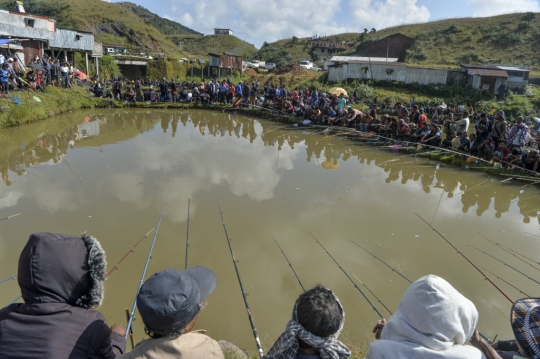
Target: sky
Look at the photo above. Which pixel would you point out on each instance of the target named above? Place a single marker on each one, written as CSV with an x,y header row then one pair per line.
x,y
257,21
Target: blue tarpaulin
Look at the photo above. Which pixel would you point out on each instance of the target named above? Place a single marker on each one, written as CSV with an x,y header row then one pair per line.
x,y
5,41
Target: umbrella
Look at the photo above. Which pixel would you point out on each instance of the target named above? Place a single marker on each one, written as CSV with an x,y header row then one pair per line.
x,y
80,75
38,67
329,165
337,91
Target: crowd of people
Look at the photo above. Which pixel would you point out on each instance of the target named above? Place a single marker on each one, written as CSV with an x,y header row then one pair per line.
x,y
482,136
57,319
37,74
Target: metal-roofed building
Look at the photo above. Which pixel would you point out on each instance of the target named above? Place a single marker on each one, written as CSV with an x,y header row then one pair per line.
x,y
486,77
338,59
518,76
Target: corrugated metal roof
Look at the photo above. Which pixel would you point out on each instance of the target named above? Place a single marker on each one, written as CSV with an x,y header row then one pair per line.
x,y
367,63
487,72
360,58
513,68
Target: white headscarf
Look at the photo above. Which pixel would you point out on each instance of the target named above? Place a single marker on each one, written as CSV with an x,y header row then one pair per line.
x,y
433,321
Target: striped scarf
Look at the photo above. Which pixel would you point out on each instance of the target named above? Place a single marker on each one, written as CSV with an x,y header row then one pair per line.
x,y
286,347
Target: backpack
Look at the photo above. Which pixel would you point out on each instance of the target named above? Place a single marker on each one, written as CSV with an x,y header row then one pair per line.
x,y
54,70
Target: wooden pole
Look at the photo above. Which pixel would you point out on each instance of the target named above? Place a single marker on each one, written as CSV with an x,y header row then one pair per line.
x,y
86,61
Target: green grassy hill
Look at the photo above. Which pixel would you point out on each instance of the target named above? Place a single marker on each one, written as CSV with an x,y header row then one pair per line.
x,y
111,23
200,46
165,26
509,39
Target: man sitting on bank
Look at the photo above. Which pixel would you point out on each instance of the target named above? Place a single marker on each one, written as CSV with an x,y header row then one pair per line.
x,y
169,303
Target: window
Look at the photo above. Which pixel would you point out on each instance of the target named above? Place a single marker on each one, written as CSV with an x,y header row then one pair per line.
x,y
78,37
389,71
29,22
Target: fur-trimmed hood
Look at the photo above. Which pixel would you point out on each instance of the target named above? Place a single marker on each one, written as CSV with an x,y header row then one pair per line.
x,y
62,268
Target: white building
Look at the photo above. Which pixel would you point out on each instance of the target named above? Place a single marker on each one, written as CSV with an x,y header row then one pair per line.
x,y
222,32
338,59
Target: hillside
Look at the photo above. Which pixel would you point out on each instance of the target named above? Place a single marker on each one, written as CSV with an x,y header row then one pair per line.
x,y
165,26
510,39
200,46
110,22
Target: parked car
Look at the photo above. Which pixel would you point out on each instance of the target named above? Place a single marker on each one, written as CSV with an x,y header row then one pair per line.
x,y
316,68
256,64
183,59
270,66
306,64
201,61
192,60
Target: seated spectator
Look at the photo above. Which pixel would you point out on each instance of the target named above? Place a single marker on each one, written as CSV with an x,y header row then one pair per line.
x,y
403,130
433,320
485,149
449,140
417,135
465,142
433,138
525,320
514,159
317,320
61,278
169,304
501,152
531,160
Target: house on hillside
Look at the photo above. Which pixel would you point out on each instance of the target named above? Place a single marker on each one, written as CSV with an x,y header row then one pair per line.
x,y
109,49
223,65
68,42
223,32
518,76
486,77
326,46
31,34
386,71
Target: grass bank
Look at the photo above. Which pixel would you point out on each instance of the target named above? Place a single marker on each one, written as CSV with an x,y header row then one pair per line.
x,y
24,107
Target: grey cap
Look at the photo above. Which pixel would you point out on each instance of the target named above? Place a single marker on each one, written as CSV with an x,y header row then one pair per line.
x,y
169,300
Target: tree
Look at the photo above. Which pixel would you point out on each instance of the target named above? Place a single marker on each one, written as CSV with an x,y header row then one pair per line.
x,y
365,31
373,30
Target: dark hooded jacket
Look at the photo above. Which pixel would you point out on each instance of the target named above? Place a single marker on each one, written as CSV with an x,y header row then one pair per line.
x,y
61,277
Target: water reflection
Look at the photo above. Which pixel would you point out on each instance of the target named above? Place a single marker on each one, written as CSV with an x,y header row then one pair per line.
x,y
475,192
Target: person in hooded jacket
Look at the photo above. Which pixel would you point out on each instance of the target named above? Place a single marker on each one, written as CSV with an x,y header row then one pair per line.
x,y
433,321
61,278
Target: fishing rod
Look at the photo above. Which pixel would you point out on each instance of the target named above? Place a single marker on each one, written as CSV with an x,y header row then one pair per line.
x,y
348,276
509,266
511,250
132,313
188,219
510,284
115,267
380,301
290,265
506,250
380,260
7,279
9,217
467,259
244,294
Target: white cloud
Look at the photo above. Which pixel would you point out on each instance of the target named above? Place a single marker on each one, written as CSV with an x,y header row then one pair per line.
x,y
10,199
494,7
380,14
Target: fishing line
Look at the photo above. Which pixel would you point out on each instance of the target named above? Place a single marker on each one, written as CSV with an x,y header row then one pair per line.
x,y
467,259
506,250
510,284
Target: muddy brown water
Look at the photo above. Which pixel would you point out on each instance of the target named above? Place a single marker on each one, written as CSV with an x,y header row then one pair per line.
x,y
107,172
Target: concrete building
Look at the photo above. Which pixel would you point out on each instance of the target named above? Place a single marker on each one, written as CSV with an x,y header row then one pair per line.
x,y
386,71
110,49
32,31
223,32
486,77
68,42
325,47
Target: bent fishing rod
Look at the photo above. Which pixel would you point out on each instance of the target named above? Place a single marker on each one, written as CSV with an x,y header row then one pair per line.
x,y
467,259
380,260
187,235
244,294
510,284
8,279
9,217
290,265
510,250
116,266
509,266
132,313
348,276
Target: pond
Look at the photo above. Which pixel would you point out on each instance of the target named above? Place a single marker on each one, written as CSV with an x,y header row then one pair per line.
x,y
108,172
